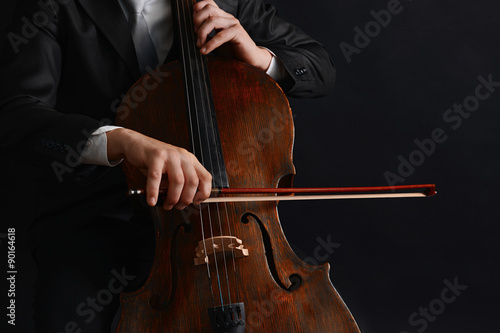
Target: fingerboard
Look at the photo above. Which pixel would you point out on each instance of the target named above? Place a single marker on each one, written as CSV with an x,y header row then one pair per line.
x,y
204,130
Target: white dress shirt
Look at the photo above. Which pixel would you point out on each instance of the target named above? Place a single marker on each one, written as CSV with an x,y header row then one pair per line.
x,y
158,16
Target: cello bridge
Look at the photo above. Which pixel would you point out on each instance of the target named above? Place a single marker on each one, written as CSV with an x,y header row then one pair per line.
x,y
228,245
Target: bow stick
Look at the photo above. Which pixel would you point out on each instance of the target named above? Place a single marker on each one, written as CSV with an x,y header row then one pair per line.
x,y
315,193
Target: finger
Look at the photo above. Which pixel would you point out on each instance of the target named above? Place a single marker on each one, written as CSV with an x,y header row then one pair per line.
x,y
204,186
201,13
175,185
226,27
202,4
228,35
191,182
154,175
206,13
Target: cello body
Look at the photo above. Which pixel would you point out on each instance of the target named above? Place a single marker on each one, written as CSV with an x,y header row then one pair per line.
x,y
227,267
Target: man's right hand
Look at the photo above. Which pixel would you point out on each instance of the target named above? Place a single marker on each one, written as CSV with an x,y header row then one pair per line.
x,y
187,180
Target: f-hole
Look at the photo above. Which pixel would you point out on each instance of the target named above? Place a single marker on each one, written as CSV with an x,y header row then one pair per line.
x,y
295,279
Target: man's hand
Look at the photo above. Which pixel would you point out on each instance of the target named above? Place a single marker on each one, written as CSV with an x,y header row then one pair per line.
x,y
231,37
187,180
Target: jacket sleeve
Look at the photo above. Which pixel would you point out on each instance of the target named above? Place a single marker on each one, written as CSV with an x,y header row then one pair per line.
x,y
31,129
309,65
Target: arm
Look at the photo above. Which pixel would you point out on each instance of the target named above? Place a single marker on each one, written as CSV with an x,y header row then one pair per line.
x,y
43,122
187,182
310,68
32,129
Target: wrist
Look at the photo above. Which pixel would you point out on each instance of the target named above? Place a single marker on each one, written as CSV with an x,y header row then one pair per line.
x,y
116,142
263,58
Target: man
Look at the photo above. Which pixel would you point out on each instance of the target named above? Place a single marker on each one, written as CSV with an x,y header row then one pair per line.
x,y
64,70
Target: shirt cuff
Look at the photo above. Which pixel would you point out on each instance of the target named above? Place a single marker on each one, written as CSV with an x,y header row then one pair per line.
x,y
96,148
276,69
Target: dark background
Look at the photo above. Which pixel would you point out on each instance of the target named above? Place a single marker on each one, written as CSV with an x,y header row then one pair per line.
x,y
394,254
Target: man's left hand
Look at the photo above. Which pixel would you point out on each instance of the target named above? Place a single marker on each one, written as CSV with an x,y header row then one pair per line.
x,y
230,35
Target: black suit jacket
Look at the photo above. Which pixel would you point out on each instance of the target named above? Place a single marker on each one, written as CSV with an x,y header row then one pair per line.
x,y
64,69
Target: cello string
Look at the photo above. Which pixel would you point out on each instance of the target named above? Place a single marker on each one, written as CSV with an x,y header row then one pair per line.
x,y
232,254
206,256
184,69
215,258
208,118
219,173
187,26
224,256
207,106
196,60
192,56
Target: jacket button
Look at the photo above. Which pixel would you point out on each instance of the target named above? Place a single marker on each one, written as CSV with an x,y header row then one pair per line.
x,y
300,71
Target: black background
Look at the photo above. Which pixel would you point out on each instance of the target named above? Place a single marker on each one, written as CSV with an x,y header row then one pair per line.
x,y
394,254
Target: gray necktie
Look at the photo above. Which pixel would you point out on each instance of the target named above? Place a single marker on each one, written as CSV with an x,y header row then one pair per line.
x,y
144,47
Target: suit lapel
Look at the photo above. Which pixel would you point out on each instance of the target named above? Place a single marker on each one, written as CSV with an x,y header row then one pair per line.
x,y
108,17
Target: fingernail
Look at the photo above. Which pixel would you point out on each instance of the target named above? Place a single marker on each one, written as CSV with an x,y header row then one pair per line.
x,y
152,201
203,50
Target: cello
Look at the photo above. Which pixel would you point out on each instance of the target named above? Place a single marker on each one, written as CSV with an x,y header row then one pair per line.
x,y
225,266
